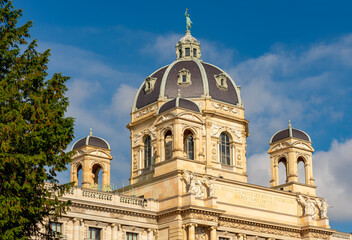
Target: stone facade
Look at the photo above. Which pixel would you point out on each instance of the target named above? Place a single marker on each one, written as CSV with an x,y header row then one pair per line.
x,y
189,171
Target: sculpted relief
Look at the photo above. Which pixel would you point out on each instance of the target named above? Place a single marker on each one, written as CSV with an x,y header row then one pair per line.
x,y
310,206
196,186
235,133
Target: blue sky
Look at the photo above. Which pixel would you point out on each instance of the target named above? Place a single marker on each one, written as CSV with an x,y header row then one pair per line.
x,y
293,60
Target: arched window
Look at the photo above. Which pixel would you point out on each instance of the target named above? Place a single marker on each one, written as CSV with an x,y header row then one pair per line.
x,y
97,173
147,152
301,170
188,144
168,145
282,171
225,155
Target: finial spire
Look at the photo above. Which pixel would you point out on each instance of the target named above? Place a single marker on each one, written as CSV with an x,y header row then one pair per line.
x,y
188,20
290,128
90,132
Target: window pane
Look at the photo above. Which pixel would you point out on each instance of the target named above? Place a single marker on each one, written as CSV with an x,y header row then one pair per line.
x,y
194,52
147,152
225,156
187,52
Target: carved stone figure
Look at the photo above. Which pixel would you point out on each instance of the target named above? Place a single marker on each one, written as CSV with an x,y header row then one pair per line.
x,y
188,20
309,206
194,185
210,182
323,207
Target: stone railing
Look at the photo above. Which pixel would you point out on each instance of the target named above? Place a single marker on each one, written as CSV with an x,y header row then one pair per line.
x,y
113,198
341,235
133,200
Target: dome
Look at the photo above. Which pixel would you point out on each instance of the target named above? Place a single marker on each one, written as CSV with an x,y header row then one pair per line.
x,y
91,141
179,102
290,132
194,79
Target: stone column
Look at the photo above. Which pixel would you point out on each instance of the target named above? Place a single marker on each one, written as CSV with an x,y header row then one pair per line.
x,y
177,141
196,147
184,230
212,233
113,232
76,228
192,231
119,233
241,236
156,234
87,179
162,148
208,147
149,234
292,175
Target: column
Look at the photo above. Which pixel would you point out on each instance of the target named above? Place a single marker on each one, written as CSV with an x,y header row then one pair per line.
x,y
241,236
292,167
212,233
192,231
208,147
113,232
149,234
177,141
162,148
184,230
119,232
196,147
76,228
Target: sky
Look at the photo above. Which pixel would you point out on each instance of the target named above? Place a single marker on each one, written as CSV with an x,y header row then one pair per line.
x,y
293,60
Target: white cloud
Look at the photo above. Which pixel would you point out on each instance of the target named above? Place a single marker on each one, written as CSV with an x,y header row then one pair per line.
x,y
332,171
122,100
214,52
163,47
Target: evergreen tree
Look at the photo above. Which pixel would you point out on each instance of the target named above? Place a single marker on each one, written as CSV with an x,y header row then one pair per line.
x,y
33,132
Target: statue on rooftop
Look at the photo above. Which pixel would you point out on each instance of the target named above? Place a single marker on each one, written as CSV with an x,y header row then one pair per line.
x,y
188,20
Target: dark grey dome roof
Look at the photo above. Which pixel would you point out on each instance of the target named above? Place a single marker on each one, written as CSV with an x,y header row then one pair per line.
x,y
91,141
203,84
290,132
179,102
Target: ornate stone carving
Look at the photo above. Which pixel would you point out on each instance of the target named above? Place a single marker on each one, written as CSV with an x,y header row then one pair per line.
x,y
211,187
225,108
238,158
323,207
150,131
200,233
215,129
200,216
194,185
189,117
135,161
213,151
309,206
165,118
259,228
315,234
99,154
145,111
280,146
301,145
237,135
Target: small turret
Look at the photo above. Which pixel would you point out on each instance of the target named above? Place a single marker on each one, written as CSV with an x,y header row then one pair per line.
x,y
291,147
